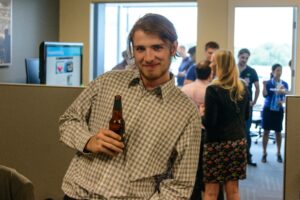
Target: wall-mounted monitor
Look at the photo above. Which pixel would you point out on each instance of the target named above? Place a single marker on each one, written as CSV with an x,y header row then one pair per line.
x,y
61,63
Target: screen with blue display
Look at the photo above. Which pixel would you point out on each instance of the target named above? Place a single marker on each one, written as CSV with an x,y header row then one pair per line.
x,y
61,63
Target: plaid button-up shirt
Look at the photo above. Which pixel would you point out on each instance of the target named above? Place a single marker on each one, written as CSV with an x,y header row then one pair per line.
x,y
163,140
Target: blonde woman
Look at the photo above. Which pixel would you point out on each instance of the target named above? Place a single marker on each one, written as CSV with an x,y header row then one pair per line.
x,y
226,110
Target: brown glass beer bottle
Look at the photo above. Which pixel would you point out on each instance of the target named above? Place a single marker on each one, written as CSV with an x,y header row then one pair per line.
x,y
117,123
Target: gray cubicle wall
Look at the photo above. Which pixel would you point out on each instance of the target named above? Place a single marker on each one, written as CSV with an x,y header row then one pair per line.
x,y
292,149
29,134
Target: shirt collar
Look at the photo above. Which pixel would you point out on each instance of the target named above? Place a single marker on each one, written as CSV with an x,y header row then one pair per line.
x,y
163,91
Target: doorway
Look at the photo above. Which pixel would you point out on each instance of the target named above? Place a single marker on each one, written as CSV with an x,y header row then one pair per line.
x,y
269,34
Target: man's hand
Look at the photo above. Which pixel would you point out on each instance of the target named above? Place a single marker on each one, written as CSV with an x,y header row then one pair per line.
x,y
107,142
264,83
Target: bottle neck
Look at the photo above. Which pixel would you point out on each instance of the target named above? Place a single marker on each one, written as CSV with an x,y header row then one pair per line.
x,y
117,114
117,110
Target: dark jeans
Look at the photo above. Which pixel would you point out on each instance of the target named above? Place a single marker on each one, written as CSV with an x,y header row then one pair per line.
x,y
248,135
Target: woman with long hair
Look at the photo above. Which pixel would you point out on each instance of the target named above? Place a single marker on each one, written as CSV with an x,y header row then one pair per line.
x,y
226,110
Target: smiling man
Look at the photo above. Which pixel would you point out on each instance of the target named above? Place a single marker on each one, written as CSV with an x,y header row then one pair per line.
x,y
158,159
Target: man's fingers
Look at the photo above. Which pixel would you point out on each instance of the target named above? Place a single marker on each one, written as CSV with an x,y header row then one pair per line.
x,y
113,142
111,138
112,134
109,152
112,147
107,142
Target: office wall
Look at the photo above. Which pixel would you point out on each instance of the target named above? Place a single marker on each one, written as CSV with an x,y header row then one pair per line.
x,y
212,24
33,21
292,148
29,134
74,26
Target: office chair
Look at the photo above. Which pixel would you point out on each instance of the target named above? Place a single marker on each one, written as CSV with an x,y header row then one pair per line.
x,y
14,186
32,70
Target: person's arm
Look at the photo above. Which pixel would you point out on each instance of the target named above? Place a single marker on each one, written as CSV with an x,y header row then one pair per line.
x,y
74,130
190,75
247,99
265,91
256,94
106,141
211,108
180,185
284,91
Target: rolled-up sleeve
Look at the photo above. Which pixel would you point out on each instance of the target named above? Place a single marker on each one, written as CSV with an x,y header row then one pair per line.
x,y
73,124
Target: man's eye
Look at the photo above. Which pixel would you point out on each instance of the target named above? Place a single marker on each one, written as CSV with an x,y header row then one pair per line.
x,y
157,47
139,49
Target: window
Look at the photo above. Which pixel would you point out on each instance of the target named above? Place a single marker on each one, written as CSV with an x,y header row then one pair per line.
x,y
268,34
113,22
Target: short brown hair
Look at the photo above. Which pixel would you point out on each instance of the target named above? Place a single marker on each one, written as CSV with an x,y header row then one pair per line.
x,y
203,70
244,50
153,24
212,45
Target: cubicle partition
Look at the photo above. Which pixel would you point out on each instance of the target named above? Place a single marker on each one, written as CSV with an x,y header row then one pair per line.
x,y
29,138
292,149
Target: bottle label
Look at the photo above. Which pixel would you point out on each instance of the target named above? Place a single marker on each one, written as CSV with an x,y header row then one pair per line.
x,y
117,126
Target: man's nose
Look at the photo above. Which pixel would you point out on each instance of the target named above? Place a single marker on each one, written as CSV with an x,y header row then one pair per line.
x,y
149,55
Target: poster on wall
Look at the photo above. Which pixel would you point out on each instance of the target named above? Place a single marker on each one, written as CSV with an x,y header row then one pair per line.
x,y
5,32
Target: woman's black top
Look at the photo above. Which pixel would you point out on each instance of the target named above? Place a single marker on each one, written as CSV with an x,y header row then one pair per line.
x,y
224,119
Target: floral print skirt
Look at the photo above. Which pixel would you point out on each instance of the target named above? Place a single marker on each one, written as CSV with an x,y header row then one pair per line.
x,y
224,161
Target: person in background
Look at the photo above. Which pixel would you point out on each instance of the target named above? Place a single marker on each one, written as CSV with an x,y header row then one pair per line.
x,y
250,77
187,62
7,46
196,91
210,48
274,92
226,111
292,70
160,139
122,65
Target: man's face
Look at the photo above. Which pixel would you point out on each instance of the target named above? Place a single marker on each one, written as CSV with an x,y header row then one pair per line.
x,y
152,57
243,59
209,52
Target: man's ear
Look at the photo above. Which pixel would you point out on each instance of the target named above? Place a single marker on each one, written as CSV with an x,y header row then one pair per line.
x,y
174,48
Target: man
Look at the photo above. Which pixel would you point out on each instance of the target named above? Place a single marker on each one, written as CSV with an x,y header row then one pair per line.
x,y
196,90
160,156
122,65
210,48
186,63
7,46
250,76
